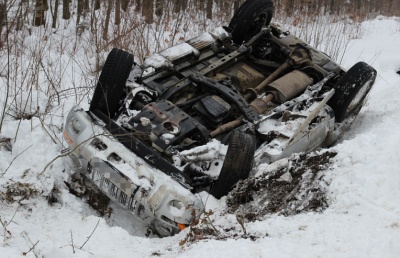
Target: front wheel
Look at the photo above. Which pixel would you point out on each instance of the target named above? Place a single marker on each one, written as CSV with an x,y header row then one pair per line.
x,y
110,88
238,163
248,20
351,90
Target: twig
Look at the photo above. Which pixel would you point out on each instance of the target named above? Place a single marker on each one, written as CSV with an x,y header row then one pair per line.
x,y
33,247
8,72
1,175
25,234
88,238
65,154
69,152
6,231
50,80
72,241
44,127
5,224
12,218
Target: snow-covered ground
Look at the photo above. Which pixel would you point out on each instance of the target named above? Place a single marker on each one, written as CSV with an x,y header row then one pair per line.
x,y
362,220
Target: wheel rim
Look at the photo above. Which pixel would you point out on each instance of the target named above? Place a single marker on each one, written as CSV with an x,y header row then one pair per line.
x,y
259,21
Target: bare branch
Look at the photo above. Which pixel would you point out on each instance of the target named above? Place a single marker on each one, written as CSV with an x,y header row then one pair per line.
x,y
33,247
90,235
72,241
1,175
67,153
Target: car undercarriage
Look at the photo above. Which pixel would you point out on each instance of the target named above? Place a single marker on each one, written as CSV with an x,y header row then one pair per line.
x,y
197,116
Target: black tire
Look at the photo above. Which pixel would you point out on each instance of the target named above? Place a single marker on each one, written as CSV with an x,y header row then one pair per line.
x,y
351,90
249,18
238,163
110,88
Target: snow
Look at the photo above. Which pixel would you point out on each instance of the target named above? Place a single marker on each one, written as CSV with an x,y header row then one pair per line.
x,y
167,56
207,158
363,218
220,33
157,61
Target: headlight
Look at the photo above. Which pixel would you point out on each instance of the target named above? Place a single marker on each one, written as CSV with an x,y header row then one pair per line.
x,y
75,126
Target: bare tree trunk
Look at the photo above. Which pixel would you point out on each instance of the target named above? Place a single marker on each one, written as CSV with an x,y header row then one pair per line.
x,y
93,17
107,21
159,7
124,5
200,4
96,4
117,12
332,8
66,13
40,18
147,11
209,9
55,14
184,4
86,6
357,6
138,5
19,17
3,22
177,6
180,5
79,12
390,7
315,6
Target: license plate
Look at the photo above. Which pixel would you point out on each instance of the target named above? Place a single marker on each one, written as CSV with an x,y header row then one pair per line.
x,y
114,185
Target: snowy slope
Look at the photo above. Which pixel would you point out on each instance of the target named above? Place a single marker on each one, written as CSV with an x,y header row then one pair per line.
x,y
363,219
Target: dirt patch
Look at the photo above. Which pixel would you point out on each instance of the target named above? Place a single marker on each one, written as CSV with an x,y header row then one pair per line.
x,y
18,192
81,188
5,144
297,187
54,196
202,229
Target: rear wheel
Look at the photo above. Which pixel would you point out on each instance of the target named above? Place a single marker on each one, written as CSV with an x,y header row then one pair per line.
x,y
351,90
248,20
238,162
110,88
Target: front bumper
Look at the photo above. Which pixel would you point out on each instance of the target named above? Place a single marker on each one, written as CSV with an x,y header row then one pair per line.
x,y
129,180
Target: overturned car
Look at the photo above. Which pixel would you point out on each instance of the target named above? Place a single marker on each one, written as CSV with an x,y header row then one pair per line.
x,y
196,116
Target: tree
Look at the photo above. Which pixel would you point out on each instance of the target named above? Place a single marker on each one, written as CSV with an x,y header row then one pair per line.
x,y
40,8
209,9
138,5
55,13
117,20
66,13
107,21
81,4
159,7
124,5
86,6
147,11
3,20
96,5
